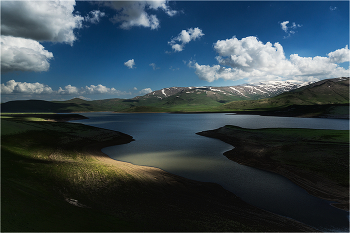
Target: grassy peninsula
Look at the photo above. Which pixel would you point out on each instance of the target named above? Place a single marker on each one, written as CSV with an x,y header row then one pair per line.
x,y
55,178
317,160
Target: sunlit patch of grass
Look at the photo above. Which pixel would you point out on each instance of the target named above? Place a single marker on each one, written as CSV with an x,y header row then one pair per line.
x,y
37,176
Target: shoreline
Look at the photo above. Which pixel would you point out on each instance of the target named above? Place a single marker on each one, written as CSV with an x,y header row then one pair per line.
x,y
249,212
278,114
259,113
314,184
84,177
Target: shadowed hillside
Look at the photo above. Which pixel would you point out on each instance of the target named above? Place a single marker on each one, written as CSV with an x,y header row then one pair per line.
x,y
73,105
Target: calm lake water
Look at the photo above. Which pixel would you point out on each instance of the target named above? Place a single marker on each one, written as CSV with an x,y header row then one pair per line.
x,y
169,142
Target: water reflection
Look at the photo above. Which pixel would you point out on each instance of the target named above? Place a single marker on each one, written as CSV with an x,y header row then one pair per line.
x,y
174,160
169,142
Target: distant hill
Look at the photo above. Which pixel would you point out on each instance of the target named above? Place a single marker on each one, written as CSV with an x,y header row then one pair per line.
x,y
34,106
326,97
167,99
269,96
240,92
73,105
209,98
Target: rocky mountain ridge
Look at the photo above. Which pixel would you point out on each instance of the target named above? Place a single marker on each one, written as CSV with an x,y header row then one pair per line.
x,y
267,95
242,92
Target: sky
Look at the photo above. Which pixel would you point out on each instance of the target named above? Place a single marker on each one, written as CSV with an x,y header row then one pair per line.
x,y
59,50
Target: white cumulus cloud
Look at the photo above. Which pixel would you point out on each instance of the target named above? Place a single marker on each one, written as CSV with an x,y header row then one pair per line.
x,y
100,89
68,90
134,13
251,58
23,55
40,20
25,88
184,37
130,64
145,91
340,55
17,88
212,73
25,23
249,54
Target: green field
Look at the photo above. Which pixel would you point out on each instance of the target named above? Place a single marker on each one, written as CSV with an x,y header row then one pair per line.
x,y
34,171
324,152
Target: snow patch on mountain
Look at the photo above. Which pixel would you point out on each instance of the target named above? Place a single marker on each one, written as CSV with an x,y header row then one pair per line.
x,y
244,91
163,92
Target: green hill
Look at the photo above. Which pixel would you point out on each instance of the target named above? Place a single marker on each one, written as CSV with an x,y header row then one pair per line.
x,y
187,101
330,96
73,105
325,97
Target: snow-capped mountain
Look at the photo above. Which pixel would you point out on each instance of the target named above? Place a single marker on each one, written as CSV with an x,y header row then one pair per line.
x,y
268,89
245,91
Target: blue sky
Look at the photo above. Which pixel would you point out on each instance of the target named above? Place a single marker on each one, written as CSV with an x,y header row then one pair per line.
x,y
124,49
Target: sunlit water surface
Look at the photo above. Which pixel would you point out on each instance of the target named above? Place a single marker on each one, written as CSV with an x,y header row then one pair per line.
x,y
169,142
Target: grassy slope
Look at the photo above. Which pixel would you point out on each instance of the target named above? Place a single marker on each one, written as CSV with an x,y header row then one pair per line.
x,y
199,101
324,153
34,171
73,105
324,97
320,151
46,170
188,101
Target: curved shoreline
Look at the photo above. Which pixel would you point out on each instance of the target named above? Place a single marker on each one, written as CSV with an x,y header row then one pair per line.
x,y
247,152
228,204
69,168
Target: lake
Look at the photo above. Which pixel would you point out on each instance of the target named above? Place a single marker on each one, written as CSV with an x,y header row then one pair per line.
x,y
169,142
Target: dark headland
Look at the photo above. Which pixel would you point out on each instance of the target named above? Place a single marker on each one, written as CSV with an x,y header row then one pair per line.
x,y
316,160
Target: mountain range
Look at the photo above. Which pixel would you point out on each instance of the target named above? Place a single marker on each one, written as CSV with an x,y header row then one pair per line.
x,y
240,92
326,98
252,97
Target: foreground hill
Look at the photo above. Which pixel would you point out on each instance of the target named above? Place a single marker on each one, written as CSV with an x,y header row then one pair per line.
x,y
328,97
